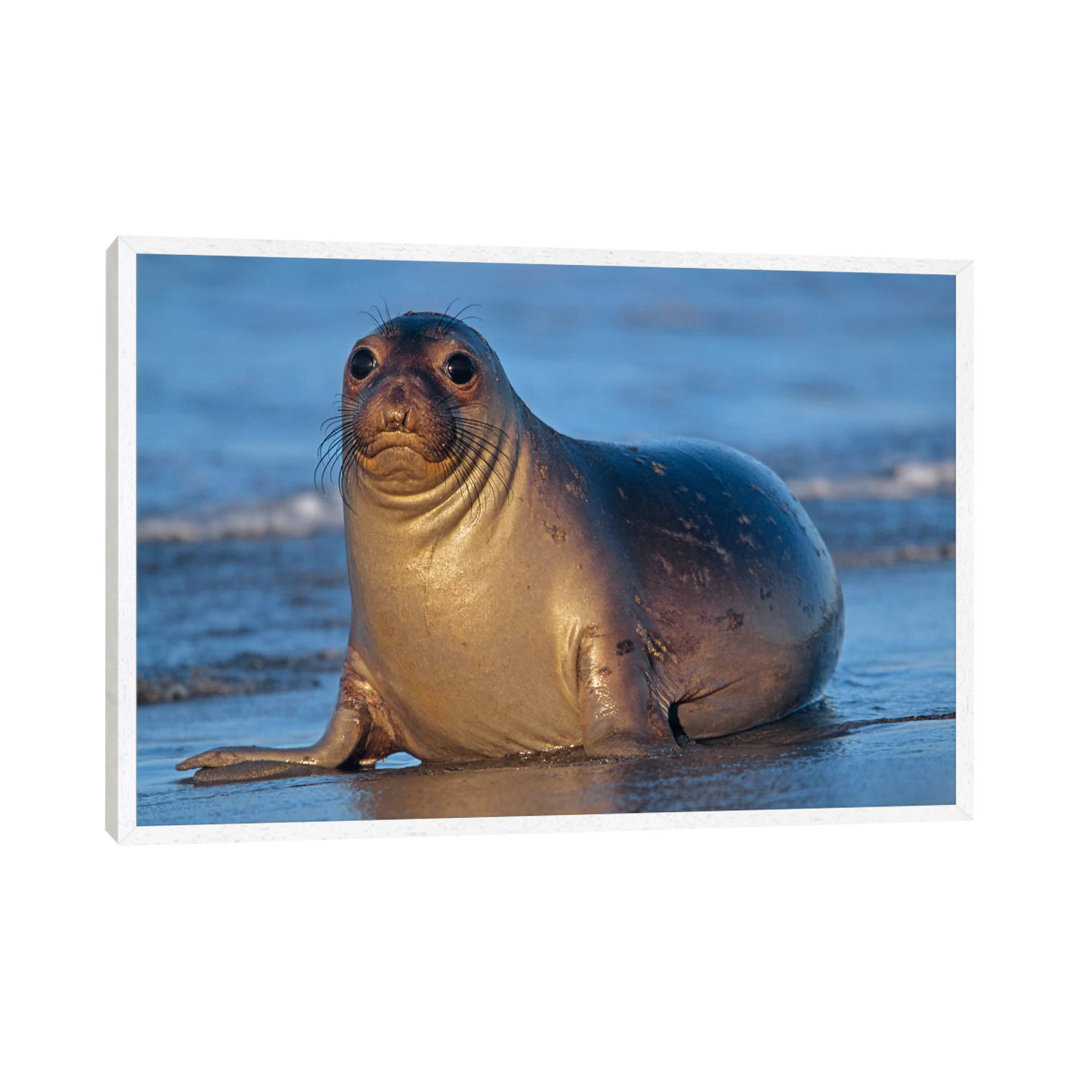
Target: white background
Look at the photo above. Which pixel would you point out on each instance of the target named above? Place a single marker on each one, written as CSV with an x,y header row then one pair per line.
x,y
916,130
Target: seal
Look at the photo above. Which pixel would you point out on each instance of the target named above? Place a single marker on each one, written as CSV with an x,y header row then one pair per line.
x,y
516,590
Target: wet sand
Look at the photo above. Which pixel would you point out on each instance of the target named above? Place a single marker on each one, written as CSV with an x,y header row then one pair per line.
x,y
884,736
808,761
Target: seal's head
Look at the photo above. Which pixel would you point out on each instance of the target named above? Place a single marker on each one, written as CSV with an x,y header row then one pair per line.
x,y
426,408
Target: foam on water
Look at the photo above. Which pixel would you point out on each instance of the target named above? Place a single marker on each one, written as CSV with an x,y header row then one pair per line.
x,y
305,513
904,481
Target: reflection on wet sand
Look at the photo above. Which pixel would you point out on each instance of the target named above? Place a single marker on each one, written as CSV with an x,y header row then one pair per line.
x,y
797,762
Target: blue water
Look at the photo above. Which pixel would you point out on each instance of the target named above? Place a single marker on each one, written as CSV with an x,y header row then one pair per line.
x,y
240,359
843,383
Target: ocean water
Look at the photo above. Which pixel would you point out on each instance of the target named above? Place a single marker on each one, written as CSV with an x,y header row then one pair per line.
x,y
843,383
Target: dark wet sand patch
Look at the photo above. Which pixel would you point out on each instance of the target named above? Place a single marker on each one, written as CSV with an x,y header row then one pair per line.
x,y
806,761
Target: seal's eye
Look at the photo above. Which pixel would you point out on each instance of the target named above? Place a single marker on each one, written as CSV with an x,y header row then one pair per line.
x,y
362,363
460,368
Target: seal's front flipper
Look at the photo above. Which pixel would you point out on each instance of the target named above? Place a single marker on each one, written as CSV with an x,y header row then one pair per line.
x,y
255,770
228,757
359,733
623,715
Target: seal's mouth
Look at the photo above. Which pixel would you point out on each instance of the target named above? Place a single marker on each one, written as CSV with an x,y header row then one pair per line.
x,y
390,440
410,444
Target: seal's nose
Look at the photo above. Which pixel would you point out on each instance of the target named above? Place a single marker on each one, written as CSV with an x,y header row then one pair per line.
x,y
394,412
395,418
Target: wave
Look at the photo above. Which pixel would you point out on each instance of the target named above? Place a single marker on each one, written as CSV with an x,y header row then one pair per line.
x,y
306,513
908,480
302,514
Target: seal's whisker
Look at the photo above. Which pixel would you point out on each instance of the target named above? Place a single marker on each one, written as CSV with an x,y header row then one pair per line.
x,y
328,451
332,465
332,428
466,478
490,452
375,320
337,450
487,436
477,440
459,316
496,455
388,319
470,449
445,319
331,441
478,426
347,478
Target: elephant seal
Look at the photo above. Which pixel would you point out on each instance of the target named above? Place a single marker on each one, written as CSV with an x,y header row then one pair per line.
x,y
516,590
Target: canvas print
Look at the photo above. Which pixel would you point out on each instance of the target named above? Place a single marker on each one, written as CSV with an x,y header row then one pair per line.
x,y
422,539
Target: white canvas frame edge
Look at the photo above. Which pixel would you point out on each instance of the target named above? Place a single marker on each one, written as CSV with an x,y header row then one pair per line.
x,y
120,513
965,533
120,746
324,249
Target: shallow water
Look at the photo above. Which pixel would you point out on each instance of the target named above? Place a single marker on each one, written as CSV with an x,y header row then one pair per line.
x,y
859,747
843,383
